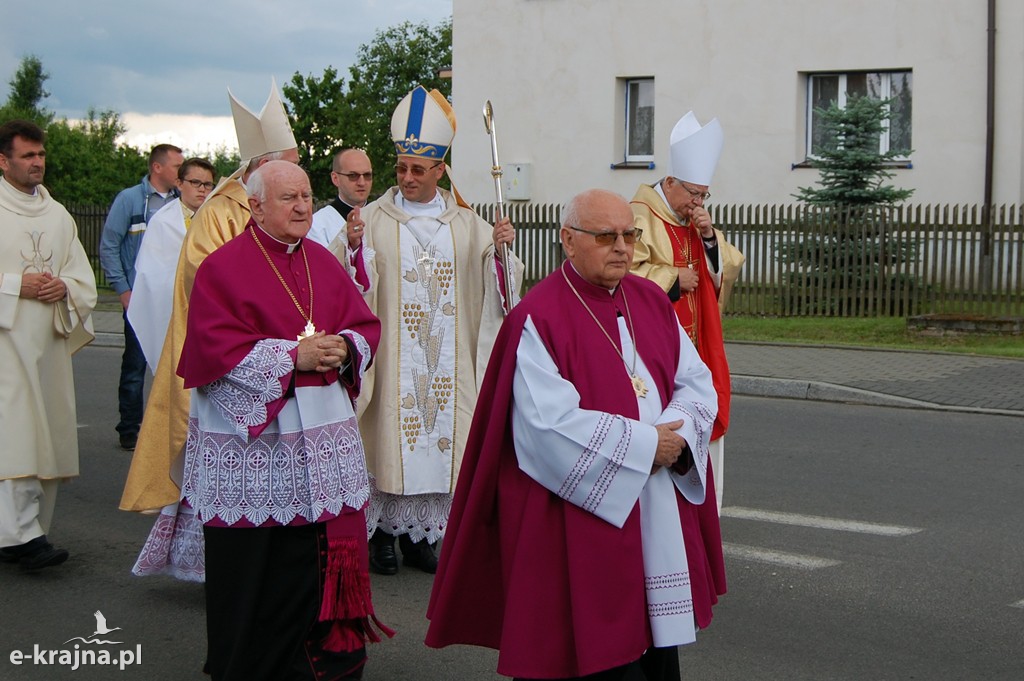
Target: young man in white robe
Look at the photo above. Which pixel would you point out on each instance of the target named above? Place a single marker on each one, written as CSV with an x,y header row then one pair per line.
x,y
149,310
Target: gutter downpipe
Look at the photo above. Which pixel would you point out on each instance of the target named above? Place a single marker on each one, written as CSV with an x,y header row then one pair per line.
x,y
990,124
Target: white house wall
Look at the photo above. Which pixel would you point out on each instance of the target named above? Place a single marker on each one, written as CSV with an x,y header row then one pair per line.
x,y
550,66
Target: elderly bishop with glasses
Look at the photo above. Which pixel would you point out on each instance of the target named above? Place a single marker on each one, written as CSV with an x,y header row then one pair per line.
x,y
682,252
575,545
429,269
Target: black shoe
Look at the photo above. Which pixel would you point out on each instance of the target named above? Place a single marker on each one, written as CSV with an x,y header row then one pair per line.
x,y
383,559
47,557
128,441
419,555
35,554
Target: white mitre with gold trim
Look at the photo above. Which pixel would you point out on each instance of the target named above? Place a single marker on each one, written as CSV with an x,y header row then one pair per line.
x,y
423,125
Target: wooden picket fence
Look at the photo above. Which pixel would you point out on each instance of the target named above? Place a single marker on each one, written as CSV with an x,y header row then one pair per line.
x,y
808,261
901,261
904,261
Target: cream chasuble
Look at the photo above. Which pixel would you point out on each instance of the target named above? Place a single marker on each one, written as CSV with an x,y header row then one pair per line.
x,y
434,285
37,392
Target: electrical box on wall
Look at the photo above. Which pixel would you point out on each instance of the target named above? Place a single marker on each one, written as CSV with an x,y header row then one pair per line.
x,y
515,181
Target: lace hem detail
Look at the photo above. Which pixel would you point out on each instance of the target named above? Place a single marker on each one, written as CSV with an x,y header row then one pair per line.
x,y
421,516
363,348
174,547
243,394
278,477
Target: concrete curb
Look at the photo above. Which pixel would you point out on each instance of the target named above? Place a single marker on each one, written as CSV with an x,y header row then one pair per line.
x,y
763,386
108,340
787,388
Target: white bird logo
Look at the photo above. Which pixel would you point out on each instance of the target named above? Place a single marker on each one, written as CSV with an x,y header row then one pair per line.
x,y
101,625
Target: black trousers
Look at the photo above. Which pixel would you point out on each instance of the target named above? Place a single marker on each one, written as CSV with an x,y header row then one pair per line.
x,y
656,664
263,591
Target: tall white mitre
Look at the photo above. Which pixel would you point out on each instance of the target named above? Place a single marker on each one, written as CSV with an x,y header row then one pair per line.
x,y
265,133
694,150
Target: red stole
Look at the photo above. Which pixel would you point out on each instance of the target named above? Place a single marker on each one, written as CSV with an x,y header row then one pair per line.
x,y
557,590
698,312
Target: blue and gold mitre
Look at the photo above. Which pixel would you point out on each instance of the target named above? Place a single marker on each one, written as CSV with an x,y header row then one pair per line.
x,y
423,125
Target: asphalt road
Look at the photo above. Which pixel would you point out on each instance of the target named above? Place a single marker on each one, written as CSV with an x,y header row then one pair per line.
x,y
862,543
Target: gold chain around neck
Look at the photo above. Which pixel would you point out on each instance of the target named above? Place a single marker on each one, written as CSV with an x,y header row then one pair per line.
x,y
309,279
638,382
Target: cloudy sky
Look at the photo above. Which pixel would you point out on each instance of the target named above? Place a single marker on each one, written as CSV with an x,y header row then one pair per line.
x,y
166,66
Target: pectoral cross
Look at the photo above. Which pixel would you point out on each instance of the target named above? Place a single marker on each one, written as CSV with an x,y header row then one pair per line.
x,y
426,263
310,330
639,387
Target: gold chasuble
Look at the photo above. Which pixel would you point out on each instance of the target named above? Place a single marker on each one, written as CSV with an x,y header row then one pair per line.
x,y
149,486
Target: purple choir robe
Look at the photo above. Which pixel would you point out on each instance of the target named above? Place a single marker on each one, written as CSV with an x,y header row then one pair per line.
x,y
558,591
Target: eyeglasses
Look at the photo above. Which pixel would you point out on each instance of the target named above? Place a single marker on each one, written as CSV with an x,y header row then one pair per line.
x,y
630,236
354,177
417,171
703,196
199,183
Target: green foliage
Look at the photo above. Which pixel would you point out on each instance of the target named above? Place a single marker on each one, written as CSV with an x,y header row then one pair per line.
x,y
317,108
874,332
84,162
27,93
843,263
852,167
845,254
225,161
326,116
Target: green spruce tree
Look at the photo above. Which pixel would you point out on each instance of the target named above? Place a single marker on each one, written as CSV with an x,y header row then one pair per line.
x,y
853,170
842,264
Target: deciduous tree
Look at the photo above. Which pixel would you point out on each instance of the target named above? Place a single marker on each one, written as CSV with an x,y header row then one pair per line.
x,y
316,107
328,113
84,162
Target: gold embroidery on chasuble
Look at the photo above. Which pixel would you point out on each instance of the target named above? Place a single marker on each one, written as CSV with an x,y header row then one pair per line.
x,y
37,262
682,255
428,356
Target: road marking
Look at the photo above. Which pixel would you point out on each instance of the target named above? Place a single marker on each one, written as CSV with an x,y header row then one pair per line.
x,y
818,522
1018,604
793,560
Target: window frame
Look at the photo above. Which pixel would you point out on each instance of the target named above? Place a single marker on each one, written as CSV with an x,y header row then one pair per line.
x,y
885,92
628,84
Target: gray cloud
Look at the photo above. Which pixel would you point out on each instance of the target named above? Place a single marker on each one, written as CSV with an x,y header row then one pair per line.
x,y
150,57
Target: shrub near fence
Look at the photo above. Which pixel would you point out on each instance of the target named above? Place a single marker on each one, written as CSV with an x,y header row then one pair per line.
x,y
907,260
952,262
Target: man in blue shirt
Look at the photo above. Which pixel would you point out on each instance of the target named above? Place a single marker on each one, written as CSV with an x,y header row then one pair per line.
x,y
119,246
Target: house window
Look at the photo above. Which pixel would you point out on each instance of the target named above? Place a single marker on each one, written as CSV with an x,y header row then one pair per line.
x,y
825,88
639,120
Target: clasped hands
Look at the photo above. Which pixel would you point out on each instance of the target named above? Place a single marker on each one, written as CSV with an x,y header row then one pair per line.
x,y
321,352
43,287
672,451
